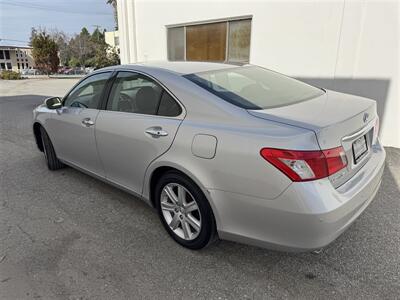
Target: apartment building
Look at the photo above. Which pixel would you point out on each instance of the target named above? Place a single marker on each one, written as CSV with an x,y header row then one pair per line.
x,y
16,58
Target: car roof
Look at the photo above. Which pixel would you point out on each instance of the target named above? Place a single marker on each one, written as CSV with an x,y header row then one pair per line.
x,y
180,67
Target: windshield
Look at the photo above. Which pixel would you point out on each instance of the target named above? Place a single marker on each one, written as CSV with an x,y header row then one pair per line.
x,y
253,87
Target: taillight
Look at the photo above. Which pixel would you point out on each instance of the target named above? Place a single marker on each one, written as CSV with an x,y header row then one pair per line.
x,y
306,165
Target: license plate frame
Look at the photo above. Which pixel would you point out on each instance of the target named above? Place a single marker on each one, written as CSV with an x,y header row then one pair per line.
x,y
359,148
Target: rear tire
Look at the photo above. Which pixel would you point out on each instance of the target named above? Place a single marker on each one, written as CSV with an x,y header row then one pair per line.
x,y
53,163
195,227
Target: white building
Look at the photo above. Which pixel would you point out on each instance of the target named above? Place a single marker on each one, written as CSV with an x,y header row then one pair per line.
x,y
16,58
112,39
348,45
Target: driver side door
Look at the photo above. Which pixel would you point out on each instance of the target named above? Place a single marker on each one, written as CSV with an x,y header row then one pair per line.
x,y
72,128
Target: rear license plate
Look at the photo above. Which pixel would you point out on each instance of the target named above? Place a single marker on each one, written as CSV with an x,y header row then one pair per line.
x,y
359,148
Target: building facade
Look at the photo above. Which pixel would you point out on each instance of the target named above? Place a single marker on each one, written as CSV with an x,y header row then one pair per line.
x,y
349,46
16,58
112,39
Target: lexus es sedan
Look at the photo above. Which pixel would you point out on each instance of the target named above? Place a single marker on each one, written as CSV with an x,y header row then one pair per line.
x,y
223,151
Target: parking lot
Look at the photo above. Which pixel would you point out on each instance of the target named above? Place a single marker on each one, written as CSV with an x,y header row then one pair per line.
x,y
65,235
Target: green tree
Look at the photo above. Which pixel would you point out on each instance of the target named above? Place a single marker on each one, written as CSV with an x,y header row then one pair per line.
x,y
97,36
82,47
74,62
91,50
45,51
84,32
105,57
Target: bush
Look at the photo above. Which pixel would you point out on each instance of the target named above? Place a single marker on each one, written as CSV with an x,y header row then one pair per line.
x,y
10,75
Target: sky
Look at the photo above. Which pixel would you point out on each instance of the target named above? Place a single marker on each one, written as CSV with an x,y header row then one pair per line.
x,y
18,16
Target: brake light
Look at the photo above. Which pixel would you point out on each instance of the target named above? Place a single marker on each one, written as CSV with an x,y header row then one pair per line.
x,y
306,165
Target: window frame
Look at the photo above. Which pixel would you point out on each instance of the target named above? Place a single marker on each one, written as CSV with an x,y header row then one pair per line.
x,y
103,93
212,21
107,95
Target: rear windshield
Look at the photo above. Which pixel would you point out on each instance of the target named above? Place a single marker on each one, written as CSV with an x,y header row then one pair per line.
x,y
253,87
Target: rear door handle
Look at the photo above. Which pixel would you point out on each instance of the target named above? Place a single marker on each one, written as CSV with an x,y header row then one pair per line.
x,y
87,122
156,131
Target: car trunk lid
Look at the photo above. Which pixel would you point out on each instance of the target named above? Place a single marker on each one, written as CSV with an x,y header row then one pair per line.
x,y
338,120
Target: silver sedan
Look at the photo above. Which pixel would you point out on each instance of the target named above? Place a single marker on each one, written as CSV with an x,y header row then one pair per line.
x,y
221,151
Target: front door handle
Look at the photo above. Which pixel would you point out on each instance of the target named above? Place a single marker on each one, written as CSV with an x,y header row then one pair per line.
x,y
87,122
156,131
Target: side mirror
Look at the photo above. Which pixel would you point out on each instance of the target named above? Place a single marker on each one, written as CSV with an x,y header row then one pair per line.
x,y
53,103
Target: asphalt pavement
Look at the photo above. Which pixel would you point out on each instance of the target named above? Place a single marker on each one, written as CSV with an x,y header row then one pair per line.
x,y
65,235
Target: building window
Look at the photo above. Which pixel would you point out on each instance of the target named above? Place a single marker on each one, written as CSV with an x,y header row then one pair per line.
x,y
216,41
7,54
2,66
18,66
9,67
22,66
1,54
176,43
239,41
27,66
206,42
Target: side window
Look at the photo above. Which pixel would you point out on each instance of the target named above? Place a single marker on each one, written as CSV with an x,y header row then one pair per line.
x,y
87,94
168,106
135,93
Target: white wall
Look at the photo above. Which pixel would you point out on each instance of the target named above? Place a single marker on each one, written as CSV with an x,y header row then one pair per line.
x,y
350,46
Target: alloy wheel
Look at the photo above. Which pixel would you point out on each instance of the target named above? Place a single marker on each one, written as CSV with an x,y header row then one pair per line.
x,y
180,211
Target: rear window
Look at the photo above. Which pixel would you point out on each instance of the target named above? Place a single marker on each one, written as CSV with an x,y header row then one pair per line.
x,y
253,87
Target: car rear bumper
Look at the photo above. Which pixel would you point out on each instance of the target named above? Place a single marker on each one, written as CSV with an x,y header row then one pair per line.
x,y
306,216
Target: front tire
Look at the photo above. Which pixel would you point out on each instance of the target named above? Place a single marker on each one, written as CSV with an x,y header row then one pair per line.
x,y
53,163
184,211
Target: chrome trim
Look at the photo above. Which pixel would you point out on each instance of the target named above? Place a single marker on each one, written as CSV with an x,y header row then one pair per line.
x,y
358,133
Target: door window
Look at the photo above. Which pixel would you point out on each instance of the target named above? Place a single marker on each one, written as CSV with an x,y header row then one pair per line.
x,y
168,106
87,94
136,93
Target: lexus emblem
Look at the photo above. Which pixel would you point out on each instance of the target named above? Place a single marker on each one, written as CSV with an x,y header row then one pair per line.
x,y
365,118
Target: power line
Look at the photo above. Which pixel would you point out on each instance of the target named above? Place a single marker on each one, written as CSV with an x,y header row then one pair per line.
x,y
49,8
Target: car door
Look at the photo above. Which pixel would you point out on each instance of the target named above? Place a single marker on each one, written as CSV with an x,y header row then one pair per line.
x,y
71,129
138,125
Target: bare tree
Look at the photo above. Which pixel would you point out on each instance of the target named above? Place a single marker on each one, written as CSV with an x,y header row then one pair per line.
x,y
62,39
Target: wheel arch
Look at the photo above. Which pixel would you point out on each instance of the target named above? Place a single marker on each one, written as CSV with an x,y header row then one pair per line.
x,y
155,173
